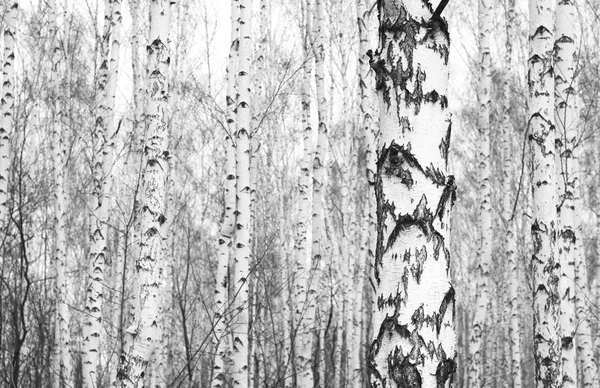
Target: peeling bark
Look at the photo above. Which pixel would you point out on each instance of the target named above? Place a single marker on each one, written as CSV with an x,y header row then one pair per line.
x,y
414,344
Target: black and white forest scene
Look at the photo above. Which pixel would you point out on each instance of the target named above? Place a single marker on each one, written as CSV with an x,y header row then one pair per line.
x,y
300,194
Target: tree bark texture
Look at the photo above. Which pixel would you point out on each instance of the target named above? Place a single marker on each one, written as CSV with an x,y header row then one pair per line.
x,y
221,338
545,265
243,191
7,105
145,332
484,255
415,341
63,376
102,161
303,321
510,242
566,117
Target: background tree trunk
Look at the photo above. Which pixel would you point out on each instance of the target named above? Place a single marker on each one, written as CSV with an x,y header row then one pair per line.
x,y
243,190
545,265
478,372
145,332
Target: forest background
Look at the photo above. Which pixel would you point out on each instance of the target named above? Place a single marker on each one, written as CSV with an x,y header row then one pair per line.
x,y
197,126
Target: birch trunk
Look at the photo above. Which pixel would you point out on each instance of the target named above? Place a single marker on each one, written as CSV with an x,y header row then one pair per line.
x,y
546,305
510,242
102,161
319,176
64,375
414,344
221,342
303,321
366,86
476,364
144,333
566,119
585,348
243,192
7,105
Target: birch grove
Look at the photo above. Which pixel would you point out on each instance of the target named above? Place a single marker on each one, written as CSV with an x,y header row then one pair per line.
x,y
315,193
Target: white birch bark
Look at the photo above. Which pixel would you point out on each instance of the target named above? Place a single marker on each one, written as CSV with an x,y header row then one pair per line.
x,y
476,364
102,160
585,346
566,119
545,266
319,176
303,320
243,192
63,376
365,28
7,105
144,333
221,340
510,242
415,341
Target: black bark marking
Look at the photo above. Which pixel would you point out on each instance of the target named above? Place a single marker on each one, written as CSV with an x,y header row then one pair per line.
x,y
448,299
404,373
567,342
445,370
435,175
416,268
448,196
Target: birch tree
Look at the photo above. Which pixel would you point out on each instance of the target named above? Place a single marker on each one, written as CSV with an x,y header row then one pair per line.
x,y
510,242
221,341
102,162
144,333
63,376
545,265
243,194
303,320
585,349
414,342
319,177
484,256
366,27
7,104
566,119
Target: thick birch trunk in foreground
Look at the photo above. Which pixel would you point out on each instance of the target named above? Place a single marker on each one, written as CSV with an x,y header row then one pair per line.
x,y
546,269
415,341
144,334
221,340
7,105
566,117
63,376
484,256
510,242
243,191
302,321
